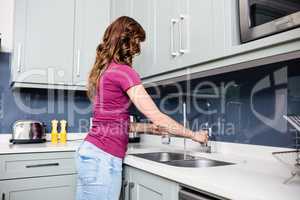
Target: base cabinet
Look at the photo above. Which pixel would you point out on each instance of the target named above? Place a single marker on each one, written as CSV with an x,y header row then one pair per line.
x,y
36,176
46,188
142,185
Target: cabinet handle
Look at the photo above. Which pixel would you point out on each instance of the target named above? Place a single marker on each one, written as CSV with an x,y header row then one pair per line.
x,y
173,52
3,196
181,48
42,165
19,58
131,186
78,63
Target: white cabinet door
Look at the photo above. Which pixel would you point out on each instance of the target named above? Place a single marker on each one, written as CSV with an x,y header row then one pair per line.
x,y
196,34
143,11
146,186
43,44
6,25
45,188
120,8
92,18
166,37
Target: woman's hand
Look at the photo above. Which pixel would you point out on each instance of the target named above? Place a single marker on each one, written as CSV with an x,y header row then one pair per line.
x,y
200,136
146,128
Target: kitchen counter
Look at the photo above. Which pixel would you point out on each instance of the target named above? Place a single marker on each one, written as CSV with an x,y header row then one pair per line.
x,y
72,144
249,179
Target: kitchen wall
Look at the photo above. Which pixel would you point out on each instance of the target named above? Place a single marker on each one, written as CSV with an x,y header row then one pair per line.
x,y
39,104
242,107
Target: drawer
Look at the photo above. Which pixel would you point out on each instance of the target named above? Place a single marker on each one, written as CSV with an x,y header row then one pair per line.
x,y
36,164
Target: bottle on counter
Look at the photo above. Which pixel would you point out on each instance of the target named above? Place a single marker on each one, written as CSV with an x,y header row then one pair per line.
x,y
54,132
63,132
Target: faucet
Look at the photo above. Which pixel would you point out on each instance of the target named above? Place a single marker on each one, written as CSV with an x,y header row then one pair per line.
x,y
206,148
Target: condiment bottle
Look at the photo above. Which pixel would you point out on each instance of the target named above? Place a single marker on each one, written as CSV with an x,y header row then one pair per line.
x,y
54,133
63,132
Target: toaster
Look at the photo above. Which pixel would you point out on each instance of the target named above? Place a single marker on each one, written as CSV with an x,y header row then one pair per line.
x,y
28,131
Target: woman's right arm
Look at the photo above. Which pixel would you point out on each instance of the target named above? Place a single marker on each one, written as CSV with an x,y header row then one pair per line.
x,y
144,103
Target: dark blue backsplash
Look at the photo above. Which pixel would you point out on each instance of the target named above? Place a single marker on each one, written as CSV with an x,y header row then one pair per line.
x,y
40,104
251,109
240,106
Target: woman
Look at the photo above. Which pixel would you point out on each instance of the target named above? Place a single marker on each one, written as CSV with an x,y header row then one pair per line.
x,y
113,84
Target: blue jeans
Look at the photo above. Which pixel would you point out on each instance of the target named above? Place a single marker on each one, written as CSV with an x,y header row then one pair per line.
x,y
99,174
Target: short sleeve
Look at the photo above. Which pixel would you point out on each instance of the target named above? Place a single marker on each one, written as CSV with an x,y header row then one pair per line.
x,y
128,77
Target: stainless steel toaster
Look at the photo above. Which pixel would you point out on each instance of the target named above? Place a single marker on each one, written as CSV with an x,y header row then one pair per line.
x,y
28,131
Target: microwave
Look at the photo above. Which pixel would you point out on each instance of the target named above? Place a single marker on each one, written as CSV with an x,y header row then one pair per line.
x,y
261,18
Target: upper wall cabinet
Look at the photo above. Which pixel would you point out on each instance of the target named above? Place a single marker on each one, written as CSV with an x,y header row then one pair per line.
x,y
201,36
6,25
55,41
179,33
120,8
43,41
92,18
195,21
142,11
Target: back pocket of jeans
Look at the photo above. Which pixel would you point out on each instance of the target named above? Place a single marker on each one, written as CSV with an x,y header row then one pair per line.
x,y
88,170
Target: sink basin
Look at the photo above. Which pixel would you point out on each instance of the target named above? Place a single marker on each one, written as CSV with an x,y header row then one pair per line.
x,y
164,156
198,163
181,160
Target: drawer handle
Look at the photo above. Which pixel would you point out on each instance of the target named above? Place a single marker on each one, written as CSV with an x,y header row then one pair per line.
x,y
42,165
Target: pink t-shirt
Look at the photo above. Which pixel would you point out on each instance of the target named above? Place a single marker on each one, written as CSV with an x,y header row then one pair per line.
x,y
109,131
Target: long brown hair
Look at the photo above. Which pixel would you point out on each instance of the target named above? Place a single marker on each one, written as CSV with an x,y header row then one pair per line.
x,y
121,41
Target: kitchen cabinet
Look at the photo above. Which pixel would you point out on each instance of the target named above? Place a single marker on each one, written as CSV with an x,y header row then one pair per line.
x,y
89,29
185,34
143,11
35,176
26,165
196,33
46,188
56,49
146,186
120,8
6,25
179,33
43,41
192,39
166,41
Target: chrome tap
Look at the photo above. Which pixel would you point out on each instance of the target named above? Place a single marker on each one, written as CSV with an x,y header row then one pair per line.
x,y
206,148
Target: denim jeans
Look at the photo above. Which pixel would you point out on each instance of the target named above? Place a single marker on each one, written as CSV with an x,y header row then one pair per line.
x,y
99,174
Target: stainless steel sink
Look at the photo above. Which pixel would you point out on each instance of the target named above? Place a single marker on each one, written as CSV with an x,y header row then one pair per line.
x,y
198,163
181,160
164,156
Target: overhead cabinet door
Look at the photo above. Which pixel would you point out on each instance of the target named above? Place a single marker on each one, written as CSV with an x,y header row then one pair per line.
x,y
92,18
179,34
196,35
166,42
143,11
43,49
